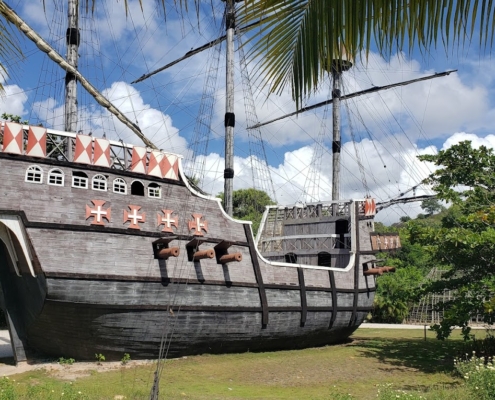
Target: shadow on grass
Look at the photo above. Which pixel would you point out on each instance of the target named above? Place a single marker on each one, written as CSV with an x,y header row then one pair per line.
x,y
430,356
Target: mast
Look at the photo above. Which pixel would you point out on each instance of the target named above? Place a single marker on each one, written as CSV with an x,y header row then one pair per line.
x,y
12,17
337,67
228,173
72,40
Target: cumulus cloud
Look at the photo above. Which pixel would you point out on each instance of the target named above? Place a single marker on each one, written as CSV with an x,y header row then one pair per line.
x,y
389,128
14,101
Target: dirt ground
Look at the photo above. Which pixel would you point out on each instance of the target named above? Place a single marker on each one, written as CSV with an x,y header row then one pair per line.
x,y
68,372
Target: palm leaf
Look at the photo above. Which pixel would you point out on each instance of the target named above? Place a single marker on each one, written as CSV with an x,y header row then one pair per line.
x,y
299,38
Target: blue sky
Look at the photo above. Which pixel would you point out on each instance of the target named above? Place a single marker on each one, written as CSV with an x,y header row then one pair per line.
x,y
390,128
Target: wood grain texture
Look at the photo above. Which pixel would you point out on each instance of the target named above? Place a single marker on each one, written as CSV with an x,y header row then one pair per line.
x,y
100,289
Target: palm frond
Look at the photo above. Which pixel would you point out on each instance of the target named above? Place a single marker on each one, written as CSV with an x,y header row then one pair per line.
x,y
299,38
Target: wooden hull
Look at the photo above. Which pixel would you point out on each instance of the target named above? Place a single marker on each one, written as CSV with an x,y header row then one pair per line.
x,y
100,289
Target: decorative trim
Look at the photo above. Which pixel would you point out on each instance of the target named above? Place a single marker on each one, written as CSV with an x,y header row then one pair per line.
x,y
89,167
334,298
258,275
356,273
304,304
129,278
198,308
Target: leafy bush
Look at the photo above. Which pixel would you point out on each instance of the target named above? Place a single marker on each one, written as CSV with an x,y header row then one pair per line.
x,y
99,358
66,361
481,348
395,295
478,375
125,359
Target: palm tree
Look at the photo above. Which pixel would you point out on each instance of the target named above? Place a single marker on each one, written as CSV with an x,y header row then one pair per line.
x,y
299,38
9,47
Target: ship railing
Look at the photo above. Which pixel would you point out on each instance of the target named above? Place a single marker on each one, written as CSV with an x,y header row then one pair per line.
x,y
317,242
37,141
316,210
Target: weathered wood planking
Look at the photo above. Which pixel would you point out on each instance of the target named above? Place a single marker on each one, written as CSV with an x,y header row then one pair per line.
x,y
102,291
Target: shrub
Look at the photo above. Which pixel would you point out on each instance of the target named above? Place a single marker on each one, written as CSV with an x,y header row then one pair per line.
x,y
99,357
479,376
66,361
125,359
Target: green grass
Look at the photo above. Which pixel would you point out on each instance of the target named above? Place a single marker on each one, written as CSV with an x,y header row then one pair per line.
x,y
358,368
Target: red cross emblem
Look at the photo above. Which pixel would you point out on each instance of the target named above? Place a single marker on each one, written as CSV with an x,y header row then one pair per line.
x,y
167,220
98,213
133,217
197,225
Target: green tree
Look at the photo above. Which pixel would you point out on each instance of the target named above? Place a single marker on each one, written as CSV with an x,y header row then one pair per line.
x,y
431,206
249,205
464,241
397,292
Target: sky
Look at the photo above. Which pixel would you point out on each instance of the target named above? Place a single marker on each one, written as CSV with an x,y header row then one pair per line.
x,y
382,133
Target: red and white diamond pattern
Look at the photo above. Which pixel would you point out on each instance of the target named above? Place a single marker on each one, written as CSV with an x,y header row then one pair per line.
x,y
171,166
155,167
102,152
369,207
12,138
138,163
36,145
161,165
84,149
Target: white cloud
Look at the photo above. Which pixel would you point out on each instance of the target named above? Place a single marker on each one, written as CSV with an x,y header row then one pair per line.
x,y
14,101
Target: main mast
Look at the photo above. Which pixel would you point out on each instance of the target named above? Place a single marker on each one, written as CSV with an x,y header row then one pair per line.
x,y
228,173
337,67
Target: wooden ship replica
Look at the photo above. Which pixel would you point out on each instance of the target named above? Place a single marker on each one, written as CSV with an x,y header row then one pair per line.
x,y
106,248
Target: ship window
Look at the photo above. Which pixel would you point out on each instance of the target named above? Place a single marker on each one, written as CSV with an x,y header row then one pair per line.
x,y
324,259
79,180
100,183
119,186
154,190
341,228
291,258
137,188
34,174
56,177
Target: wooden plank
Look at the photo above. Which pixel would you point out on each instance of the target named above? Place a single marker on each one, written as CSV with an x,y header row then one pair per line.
x,y
257,274
304,305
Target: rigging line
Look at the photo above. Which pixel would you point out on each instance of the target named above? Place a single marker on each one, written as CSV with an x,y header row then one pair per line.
x,y
256,142
12,17
202,128
356,150
192,53
382,205
396,146
353,139
411,115
349,96
311,187
173,47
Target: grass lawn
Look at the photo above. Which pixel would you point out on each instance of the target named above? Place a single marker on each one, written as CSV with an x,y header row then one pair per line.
x,y
373,357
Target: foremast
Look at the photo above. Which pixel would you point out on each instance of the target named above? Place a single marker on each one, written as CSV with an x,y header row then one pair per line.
x,y
11,16
72,40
